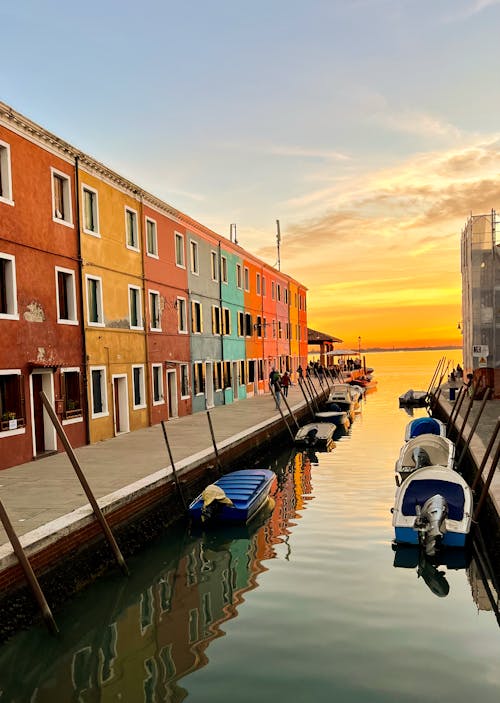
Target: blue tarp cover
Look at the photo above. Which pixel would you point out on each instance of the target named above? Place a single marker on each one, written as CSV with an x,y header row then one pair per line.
x,y
420,491
424,425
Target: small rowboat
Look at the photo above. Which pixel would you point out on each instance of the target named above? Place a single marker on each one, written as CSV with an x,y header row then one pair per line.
x,y
235,497
315,434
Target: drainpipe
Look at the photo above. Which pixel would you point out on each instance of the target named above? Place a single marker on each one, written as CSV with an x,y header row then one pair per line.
x,y
82,310
146,345
221,325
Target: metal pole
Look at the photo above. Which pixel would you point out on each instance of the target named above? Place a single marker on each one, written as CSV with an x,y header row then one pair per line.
x,y
290,411
456,408
214,442
312,393
487,483
88,491
28,571
486,455
466,417
281,413
473,428
176,479
301,381
435,374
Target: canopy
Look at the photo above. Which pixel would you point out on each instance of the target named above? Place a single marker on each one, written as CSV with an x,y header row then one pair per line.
x,y
343,352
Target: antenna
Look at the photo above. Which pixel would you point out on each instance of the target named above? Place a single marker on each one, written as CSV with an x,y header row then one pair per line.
x,y
232,230
235,235
278,242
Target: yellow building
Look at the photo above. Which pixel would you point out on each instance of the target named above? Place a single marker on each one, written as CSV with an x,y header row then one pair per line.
x,y
113,301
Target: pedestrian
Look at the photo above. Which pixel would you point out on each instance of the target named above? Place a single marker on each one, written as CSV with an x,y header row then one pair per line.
x,y
300,371
460,371
275,385
285,383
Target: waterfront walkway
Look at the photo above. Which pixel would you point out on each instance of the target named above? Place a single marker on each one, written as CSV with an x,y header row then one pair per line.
x,y
40,492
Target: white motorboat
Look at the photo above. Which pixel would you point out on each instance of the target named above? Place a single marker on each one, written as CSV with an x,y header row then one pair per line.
x,y
344,395
424,450
315,434
424,425
413,398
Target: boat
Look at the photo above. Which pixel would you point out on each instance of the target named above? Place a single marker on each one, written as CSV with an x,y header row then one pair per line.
x,y
414,399
315,434
334,414
424,425
427,567
236,497
425,450
344,395
433,508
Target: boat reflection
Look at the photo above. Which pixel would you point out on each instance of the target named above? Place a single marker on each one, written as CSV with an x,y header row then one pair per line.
x,y
428,568
136,638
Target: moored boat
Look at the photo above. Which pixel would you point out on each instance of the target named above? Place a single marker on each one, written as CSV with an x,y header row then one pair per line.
x,y
424,425
334,414
315,434
236,497
413,399
425,450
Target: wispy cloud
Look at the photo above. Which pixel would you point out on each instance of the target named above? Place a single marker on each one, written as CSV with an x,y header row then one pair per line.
x,y
470,9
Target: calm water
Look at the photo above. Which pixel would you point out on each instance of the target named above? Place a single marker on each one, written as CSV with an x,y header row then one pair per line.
x,y
308,606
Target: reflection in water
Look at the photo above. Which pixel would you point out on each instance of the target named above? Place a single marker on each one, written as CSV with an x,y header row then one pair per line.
x,y
153,629
427,567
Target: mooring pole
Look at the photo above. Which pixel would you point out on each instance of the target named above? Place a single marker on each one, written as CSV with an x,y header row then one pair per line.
x,y
213,441
434,374
28,571
466,417
301,381
456,408
312,393
290,411
487,483
174,472
473,428
278,405
486,455
88,491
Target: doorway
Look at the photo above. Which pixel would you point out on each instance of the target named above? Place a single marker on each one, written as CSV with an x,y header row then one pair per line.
x,y
44,436
173,406
120,404
209,384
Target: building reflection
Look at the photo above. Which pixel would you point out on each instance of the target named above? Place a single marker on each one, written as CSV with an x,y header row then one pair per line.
x,y
155,628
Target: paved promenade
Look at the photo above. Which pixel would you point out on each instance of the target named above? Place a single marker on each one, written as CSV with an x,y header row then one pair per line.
x,y
39,492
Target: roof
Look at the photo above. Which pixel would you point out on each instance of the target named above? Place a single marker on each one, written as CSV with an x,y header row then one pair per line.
x,y
314,337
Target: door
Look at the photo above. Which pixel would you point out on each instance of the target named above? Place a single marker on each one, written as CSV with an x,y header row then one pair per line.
x,y
43,432
38,415
173,407
235,380
120,404
209,384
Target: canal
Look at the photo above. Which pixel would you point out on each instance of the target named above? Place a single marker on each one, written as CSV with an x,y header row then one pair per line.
x,y
312,604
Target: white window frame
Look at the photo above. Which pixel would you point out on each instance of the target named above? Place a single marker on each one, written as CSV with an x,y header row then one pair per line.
x,y
264,292
73,320
258,284
11,287
135,228
89,189
226,314
162,392
131,288
100,309
73,369
216,317
239,277
179,237
67,204
194,257
155,293
18,430
152,254
195,303
184,371
214,265
182,303
223,269
6,173
197,364
246,278
142,404
104,392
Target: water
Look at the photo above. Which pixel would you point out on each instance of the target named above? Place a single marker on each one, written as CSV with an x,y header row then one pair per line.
x,y
307,606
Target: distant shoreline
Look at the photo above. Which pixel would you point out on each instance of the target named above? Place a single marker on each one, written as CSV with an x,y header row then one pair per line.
x,y
393,349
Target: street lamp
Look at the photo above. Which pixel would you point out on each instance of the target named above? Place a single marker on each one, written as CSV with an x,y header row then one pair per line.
x,y
359,345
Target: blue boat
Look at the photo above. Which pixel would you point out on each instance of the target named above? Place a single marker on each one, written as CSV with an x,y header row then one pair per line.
x,y
235,497
425,425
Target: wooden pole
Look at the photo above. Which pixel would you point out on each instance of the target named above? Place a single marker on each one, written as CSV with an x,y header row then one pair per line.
x,y
290,411
174,472
88,491
278,405
473,428
28,571
486,455
214,442
301,381
456,408
487,483
466,417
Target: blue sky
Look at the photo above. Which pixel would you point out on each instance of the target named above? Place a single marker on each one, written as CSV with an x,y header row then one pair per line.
x,y
370,124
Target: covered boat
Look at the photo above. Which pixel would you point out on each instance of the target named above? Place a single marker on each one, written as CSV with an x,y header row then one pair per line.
x,y
235,497
433,507
414,399
346,396
424,425
332,413
315,434
425,450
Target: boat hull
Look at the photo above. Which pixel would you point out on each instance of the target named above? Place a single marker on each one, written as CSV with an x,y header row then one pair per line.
x,y
407,535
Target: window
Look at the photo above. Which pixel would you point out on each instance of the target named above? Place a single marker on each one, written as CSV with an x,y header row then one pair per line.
x,y
285,295
214,267
8,287
61,198
226,321
273,293
198,378
131,234
259,326
196,319
218,375
66,296
154,310
257,283
179,250
227,374
216,326
94,301
90,211
5,174
238,275
241,324
151,238
11,400
139,387
134,308
263,286
184,381
71,393
274,329
98,391
223,269
279,292
193,248
157,384
181,315
280,330
243,372
264,325
246,274
248,325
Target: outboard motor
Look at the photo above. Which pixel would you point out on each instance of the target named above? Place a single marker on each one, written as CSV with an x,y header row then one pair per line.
x,y
421,458
430,522
310,438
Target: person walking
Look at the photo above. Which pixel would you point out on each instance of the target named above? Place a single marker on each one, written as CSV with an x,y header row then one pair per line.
x,y
300,371
285,383
275,385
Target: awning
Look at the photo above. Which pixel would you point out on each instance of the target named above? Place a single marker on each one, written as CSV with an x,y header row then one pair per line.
x,y
343,352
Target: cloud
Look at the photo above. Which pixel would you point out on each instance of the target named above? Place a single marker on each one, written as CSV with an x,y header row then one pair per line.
x,y
471,9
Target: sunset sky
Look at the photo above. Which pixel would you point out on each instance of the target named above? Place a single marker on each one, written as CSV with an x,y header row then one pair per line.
x,y
369,128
